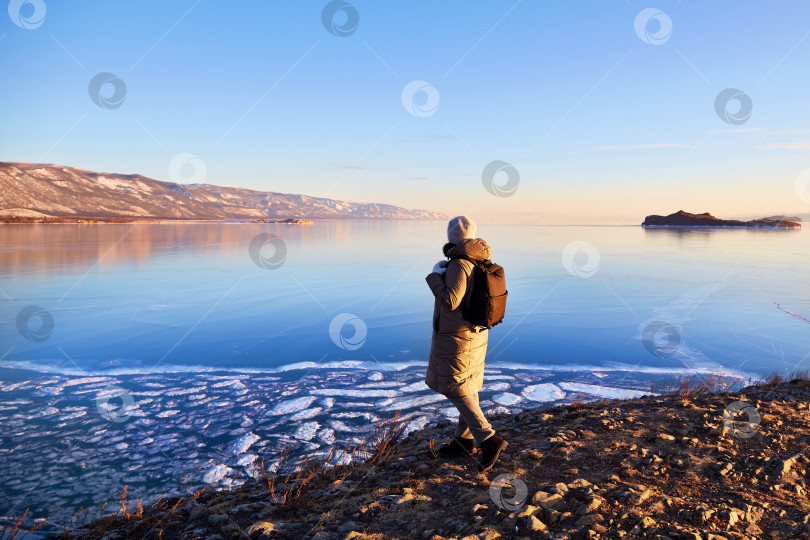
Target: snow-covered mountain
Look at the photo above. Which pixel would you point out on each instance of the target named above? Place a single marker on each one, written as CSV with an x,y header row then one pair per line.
x,y
55,190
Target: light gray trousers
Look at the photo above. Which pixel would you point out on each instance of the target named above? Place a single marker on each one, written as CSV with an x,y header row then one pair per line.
x,y
471,419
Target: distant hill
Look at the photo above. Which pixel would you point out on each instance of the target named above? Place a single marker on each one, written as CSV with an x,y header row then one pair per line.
x,y
685,219
33,189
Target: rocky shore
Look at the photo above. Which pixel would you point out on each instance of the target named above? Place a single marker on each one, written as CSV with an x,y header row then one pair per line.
x,y
692,463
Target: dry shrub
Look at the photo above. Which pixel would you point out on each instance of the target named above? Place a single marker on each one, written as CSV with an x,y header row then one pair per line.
x,y
288,490
10,533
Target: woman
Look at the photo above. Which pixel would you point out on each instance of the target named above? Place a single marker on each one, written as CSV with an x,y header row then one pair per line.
x,y
458,349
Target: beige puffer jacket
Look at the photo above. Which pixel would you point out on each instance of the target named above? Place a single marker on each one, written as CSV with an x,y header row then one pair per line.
x,y
458,350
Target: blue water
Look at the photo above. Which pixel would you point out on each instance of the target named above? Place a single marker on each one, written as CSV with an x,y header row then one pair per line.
x,y
166,357
161,296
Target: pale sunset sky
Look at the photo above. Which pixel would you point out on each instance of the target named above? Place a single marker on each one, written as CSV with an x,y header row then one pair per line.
x,y
607,110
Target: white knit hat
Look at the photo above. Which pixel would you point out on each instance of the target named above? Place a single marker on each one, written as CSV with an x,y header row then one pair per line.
x,y
460,228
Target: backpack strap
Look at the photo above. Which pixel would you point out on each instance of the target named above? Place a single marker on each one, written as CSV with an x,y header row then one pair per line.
x,y
486,263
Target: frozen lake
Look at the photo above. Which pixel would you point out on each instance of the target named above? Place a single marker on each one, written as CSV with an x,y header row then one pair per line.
x,y
227,342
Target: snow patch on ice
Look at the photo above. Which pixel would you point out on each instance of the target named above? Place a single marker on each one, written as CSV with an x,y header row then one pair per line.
x,y
241,445
327,436
306,414
307,431
292,406
247,460
450,412
416,424
183,391
357,414
353,393
216,474
506,399
603,391
543,392
401,404
418,386
337,425
382,384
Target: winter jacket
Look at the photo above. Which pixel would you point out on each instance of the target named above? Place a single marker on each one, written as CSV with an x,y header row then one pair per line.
x,y
458,349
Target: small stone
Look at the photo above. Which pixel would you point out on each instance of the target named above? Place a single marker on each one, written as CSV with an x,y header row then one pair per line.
x,y
349,528
641,497
579,483
547,501
591,506
665,439
402,501
645,523
479,508
230,530
552,517
529,510
730,517
531,523
784,467
589,519
706,515
197,513
215,519
261,527
753,513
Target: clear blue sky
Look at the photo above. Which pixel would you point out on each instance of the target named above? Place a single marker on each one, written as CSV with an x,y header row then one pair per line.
x,y
596,120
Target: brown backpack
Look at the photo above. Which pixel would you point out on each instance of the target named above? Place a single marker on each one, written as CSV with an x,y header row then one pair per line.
x,y
485,304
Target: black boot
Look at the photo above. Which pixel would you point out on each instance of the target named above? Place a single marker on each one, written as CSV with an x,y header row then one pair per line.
x,y
490,451
459,446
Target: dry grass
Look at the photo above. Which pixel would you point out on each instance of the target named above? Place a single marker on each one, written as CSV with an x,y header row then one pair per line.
x,y
578,402
10,533
140,517
776,378
288,490
695,386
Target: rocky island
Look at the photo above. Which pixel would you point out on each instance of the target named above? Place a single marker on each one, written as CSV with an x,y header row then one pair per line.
x,y
685,219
